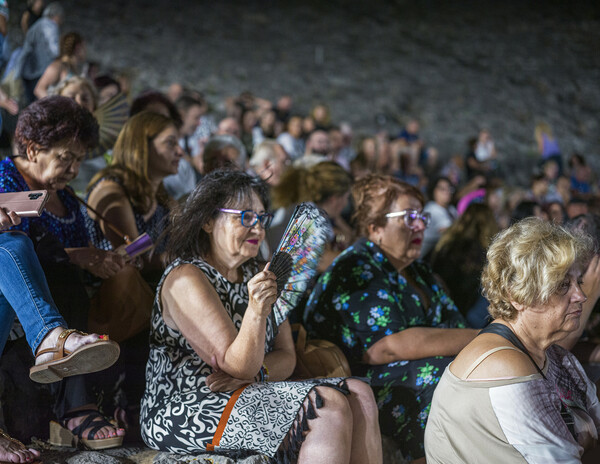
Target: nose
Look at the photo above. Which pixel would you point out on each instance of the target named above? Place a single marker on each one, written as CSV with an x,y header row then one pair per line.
x,y
579,295
419,225
179,151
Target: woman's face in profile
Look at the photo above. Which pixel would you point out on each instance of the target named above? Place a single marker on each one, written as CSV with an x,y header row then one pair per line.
x,y
165,153
562,313
401,244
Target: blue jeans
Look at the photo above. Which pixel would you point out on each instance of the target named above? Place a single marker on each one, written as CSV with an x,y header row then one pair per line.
x,y
24,291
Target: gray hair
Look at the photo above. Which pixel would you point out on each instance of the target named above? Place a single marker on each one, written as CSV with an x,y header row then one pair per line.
x,y
54,9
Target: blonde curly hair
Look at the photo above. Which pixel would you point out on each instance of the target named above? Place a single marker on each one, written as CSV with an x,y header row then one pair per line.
x,y
527,262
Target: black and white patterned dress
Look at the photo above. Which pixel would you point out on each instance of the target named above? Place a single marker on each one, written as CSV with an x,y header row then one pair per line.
x,y
180,414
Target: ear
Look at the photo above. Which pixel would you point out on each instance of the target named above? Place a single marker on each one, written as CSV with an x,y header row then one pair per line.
x,y
373,232
517,306
209,226
31,150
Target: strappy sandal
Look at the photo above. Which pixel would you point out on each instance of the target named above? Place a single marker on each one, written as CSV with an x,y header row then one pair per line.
x,y
88,358
3,434
60,435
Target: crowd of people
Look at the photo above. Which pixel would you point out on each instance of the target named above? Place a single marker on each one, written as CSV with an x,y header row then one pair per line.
x,y
464,304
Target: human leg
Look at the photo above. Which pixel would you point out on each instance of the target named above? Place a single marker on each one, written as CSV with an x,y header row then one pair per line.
x,y
23,285
366,438
328,440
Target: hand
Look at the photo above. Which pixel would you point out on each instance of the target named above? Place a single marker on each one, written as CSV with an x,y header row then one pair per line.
x,y
220,381
101,263
8,104
262,292
591,280
8,219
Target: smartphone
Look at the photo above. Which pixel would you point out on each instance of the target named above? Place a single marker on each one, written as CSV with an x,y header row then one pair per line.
x,y
25,204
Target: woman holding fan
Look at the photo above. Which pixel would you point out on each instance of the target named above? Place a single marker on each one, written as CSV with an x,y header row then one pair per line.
x,y
216,375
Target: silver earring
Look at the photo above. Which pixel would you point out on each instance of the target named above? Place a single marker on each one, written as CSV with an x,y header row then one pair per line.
x,y
379,242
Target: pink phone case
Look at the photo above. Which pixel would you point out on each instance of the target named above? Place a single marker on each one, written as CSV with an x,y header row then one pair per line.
x,y
25,204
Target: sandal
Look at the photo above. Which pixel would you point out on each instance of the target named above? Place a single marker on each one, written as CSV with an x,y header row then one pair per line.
x,y
88,358
5,435
60,435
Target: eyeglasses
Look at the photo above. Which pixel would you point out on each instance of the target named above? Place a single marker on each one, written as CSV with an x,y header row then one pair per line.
x,y
411,216
250,218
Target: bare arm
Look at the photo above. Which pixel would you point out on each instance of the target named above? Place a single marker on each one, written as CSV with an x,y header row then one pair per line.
x,y
419,342
280,364
101,263
50,77
191,304
110,200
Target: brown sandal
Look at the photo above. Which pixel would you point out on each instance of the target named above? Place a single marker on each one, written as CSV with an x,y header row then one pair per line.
x,y
88,358
3,434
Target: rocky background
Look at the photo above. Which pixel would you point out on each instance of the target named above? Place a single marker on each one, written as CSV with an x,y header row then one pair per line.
x,y
456,66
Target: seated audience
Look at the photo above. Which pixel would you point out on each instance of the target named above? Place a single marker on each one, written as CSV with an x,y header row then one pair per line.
x,y
387,311
212,323
513,394
442,211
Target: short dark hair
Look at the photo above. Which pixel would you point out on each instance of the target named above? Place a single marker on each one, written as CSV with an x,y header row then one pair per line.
x,y
145,99
218,189
53,120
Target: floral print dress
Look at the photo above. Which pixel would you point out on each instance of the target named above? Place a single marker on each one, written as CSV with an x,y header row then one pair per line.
x,y
361,299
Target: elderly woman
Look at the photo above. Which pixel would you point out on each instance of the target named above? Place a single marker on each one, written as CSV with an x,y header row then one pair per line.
x,y
512,394
216,375
52,136
387,311
129,193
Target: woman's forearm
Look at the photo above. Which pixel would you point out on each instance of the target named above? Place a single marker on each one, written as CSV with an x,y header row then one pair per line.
x,y
245,355
419,342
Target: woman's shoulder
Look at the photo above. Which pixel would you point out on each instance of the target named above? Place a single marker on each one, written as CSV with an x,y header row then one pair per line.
x,y
490,356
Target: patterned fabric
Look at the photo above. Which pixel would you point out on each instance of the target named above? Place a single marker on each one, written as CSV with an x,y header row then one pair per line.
x,y
361,299
180,414
70,230
154,226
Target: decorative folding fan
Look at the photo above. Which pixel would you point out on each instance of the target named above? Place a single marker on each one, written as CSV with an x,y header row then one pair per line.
x,y
111,117
297,256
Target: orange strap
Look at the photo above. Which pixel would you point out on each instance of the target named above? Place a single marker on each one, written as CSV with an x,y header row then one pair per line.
x,y
224,418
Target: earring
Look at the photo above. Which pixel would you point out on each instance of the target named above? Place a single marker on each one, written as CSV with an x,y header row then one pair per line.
x,y
379,242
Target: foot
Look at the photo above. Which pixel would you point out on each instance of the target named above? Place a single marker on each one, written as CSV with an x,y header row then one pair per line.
x,y
12,450
73,342
104,432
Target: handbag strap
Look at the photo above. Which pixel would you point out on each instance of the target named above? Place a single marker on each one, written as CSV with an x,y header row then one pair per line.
x,y
109,224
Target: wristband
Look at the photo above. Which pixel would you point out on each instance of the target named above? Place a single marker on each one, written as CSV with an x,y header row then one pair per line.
x,y
265,371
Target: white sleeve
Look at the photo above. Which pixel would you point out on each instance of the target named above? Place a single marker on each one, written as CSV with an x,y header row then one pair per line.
x,y
530,419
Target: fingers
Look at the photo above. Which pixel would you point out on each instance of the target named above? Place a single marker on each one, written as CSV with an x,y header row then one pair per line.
x,y
8,219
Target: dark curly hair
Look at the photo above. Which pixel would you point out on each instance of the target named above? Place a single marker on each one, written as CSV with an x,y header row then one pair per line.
x,y
55,120
218,189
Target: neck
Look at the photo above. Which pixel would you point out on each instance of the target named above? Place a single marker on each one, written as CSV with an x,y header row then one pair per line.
x,y
225,267
533,342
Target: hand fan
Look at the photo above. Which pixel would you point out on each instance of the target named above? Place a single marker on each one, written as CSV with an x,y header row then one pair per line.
x,y
295,260
111,117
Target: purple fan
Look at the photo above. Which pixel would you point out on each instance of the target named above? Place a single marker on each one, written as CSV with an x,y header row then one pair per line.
x,y
295,260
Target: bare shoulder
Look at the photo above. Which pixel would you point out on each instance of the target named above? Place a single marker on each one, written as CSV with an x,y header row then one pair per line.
x,y
500,364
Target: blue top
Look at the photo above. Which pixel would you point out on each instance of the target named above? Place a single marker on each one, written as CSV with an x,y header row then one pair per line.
x,y
69,230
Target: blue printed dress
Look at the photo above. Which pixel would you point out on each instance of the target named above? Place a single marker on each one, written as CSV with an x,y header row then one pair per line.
x,y
69,230
361,299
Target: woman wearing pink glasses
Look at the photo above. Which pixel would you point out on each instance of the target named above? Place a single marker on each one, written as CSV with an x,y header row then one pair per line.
x,y
387,310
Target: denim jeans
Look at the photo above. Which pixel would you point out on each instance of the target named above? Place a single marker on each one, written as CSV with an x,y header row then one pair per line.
x,y
24,291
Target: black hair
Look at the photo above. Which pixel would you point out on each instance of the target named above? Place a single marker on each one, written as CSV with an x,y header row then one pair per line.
x,y
218,189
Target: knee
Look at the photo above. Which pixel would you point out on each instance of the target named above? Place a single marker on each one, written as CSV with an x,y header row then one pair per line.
x,y
335,408
15,243
362,393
